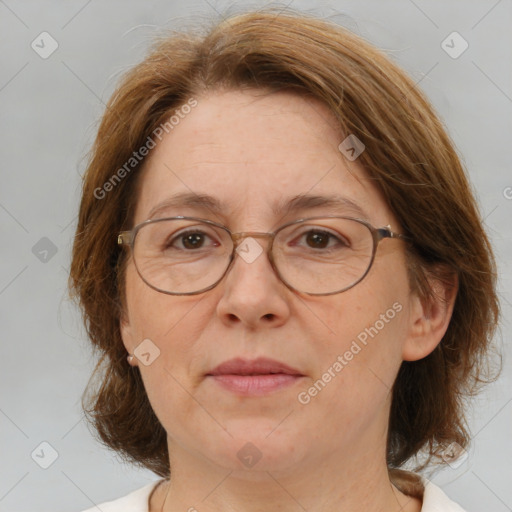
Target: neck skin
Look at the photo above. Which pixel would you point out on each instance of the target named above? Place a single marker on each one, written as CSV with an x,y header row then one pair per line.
x,y
356,480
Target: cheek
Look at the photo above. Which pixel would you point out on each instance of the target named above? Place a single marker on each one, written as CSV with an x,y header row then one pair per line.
x,y
160,325
155,315
163,331
351,387
367,322
361,350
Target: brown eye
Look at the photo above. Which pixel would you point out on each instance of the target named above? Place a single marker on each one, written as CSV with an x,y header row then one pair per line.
x,y
318,239
192,240
321,239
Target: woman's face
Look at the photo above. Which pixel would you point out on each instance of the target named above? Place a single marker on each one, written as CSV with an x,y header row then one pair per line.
x,y
253,153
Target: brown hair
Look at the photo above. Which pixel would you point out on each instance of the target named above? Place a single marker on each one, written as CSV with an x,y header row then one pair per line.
x,y
408,154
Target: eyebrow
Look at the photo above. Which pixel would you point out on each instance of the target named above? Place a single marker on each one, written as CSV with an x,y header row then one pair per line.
x,y
208,203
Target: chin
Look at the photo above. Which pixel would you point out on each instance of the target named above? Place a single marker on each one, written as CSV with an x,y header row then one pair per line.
x,y
253,451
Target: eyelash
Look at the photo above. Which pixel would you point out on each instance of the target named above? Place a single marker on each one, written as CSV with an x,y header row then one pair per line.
x,y
182,235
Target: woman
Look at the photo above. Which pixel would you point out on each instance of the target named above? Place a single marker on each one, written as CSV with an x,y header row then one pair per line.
x,y
279,258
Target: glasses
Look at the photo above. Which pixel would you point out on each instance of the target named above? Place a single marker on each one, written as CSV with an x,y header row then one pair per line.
x,y
315,256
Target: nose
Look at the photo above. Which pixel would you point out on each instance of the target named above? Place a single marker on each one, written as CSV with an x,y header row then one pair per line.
x,y
252,293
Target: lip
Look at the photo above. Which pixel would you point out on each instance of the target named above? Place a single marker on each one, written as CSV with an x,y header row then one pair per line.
x,y
257,377
260,366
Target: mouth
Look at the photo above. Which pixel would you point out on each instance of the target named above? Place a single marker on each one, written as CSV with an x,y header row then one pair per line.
x,y
258,377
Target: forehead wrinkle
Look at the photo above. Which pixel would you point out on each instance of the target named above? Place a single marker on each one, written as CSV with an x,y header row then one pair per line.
x,y
281,207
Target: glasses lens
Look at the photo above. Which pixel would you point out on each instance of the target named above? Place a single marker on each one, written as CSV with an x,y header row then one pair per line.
x,y
181,255
321,256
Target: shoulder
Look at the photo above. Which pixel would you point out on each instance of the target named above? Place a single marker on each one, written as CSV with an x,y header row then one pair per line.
x,y
136,501
435,500
417,486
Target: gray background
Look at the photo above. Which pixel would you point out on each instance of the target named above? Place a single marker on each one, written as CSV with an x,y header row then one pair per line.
x,y
50,110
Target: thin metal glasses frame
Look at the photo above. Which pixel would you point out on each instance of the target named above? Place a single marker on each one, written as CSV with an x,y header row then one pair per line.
x,y
127,238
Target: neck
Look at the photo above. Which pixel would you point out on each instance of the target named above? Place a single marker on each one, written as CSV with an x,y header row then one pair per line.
x,y
326,483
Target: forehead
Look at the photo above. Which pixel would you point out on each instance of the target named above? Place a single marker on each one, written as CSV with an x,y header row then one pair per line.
x,y
252,151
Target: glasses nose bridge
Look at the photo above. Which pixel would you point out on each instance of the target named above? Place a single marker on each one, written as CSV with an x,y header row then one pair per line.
x,y
238,238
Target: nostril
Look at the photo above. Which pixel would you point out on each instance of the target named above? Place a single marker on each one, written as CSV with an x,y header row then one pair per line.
x,y
269,316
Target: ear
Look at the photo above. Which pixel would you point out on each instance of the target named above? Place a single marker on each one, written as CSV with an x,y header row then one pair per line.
x,y
430,316
127,337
